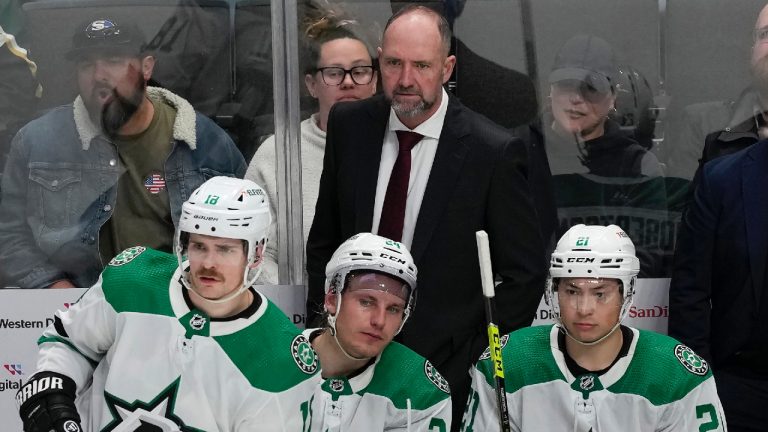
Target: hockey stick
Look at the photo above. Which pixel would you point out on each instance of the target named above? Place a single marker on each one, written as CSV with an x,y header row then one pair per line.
x,y
489,291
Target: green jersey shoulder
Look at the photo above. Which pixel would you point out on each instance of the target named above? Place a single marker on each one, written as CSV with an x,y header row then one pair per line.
x,y
272,354
137,280
401,374
662,369
527,359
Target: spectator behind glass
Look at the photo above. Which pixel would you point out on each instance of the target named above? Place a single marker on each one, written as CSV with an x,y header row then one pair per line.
x,y
714,129
108,171
600,174
340,68
19,92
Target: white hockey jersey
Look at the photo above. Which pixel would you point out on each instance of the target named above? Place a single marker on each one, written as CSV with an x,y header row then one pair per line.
x,y
140,356
660,385
400,391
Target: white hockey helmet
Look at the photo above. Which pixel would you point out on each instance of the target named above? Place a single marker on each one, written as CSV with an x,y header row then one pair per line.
x,y
594,251
370,252
230,208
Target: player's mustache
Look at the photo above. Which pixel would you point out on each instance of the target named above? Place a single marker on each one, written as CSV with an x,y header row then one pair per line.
x,y
209,274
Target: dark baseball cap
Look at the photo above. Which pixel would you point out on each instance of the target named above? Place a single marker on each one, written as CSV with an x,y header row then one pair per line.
x,y
588,59
105,34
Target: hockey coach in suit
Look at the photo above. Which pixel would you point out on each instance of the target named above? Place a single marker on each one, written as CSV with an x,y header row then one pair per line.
x,y
464,174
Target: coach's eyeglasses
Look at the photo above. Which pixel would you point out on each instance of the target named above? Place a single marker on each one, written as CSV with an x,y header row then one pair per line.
x,y
334,76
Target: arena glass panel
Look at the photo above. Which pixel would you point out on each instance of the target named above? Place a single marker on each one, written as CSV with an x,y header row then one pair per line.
x,y
218,54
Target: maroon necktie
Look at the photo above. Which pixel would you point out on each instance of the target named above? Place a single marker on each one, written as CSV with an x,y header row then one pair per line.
x,y
393,211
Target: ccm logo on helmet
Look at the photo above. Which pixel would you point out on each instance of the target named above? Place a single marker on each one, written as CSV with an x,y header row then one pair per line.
x,y
580,260
392,258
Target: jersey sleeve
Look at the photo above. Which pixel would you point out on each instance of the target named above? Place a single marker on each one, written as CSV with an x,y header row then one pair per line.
x,y
699,410
79,337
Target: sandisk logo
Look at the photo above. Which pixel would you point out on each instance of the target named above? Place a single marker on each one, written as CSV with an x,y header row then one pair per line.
x,y
13,369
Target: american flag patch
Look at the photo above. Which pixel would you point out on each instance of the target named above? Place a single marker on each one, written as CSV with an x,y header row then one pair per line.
x,y
154,183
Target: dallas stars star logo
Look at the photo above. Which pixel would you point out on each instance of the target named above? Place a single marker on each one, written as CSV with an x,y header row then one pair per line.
x,y
153,416
304,355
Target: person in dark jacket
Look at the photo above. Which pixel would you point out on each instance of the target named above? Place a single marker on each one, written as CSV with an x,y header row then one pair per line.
x,y
600,174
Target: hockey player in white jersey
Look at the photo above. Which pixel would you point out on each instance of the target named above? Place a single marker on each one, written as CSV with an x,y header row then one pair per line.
x,y
369,382
588,372
178,343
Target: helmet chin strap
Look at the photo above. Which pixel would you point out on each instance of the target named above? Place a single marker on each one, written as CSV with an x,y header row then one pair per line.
x,y
332,324
595,342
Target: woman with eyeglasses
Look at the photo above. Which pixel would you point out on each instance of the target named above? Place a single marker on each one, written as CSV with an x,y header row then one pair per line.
x,y
339,68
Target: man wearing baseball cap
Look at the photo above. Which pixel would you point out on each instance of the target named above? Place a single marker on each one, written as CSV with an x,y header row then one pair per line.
x,y
581,137
599,171
107,172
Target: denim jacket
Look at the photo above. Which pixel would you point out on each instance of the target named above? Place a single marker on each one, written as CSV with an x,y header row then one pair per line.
x,y
59,187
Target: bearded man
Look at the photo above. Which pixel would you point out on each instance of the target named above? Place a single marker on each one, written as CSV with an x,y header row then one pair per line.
x,y
107,172
418,167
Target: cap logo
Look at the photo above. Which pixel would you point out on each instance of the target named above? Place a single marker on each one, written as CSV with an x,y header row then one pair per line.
x,y
102,29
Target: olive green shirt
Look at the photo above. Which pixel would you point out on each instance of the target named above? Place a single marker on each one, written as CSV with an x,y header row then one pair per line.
x,y
142,213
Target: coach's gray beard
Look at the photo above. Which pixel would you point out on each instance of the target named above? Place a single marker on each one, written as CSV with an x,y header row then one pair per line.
x,y
411,111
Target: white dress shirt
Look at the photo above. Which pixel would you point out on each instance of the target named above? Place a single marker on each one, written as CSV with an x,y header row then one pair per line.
x,y
422,156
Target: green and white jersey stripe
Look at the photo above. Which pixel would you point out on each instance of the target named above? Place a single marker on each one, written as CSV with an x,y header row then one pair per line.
x,y
661,385
155,361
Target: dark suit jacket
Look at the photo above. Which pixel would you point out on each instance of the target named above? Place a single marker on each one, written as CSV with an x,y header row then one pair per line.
x,y
478,181
721,257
